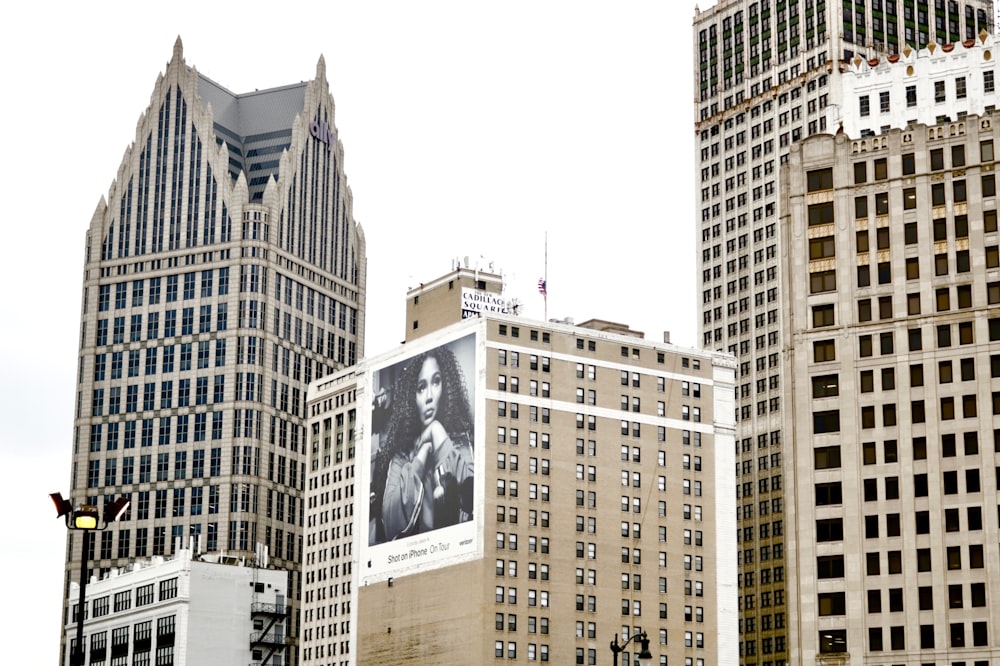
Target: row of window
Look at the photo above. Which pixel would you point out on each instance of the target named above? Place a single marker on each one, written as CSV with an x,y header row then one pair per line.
x,y
774,528
515,332
768,599
767,553
515,360
825,350
187,324
332,346
958,634
152,295
884,26
535,491
315,303
166,394
764,484
956,597
162,468
831,493
329,345
828,421
195,425
826,281
101,606
822,179
959,87
749,578
160,546
150,360
822,214
829,457
535,571
533,463
918,412
768,621
141,646
513,436
832,529
539,652
246,389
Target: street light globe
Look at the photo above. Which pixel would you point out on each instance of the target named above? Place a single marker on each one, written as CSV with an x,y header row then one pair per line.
x,y
645,657
85,518
85,523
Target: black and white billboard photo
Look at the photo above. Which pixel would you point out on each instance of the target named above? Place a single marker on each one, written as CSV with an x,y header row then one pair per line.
x,y
422,458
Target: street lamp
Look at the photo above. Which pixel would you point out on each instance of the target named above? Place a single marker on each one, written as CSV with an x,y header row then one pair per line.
x,y
86,519
644,656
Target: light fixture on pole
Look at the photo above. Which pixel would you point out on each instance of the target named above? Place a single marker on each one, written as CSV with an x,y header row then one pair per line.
x,y
86,518
645,657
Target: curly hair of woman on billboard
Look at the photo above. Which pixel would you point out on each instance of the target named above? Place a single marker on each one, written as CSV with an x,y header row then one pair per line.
x,y
423,475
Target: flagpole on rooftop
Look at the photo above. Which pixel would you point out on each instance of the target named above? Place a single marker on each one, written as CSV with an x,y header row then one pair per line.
x,y
545,290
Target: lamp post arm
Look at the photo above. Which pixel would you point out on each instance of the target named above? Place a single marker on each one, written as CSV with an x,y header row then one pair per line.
x,y
79,656
86,519
616,647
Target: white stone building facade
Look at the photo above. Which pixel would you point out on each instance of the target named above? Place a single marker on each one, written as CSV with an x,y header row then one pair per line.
x,y
184,611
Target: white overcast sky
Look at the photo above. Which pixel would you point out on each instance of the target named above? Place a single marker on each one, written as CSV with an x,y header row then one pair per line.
x,y
469,129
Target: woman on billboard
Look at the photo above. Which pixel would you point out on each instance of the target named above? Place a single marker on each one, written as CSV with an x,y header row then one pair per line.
x,y
423,476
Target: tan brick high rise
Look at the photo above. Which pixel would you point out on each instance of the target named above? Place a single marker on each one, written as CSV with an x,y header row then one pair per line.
x,y
603,505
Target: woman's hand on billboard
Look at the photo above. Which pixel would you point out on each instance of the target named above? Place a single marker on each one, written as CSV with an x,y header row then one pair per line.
x,y
435,434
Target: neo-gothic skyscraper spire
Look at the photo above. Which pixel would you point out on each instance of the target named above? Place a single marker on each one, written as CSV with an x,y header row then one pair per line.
x,y
223,272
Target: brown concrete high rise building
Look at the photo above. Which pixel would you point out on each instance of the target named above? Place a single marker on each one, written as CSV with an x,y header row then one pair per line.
x,y
580,489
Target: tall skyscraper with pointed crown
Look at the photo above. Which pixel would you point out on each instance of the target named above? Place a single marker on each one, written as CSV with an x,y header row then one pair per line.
x,y
223,272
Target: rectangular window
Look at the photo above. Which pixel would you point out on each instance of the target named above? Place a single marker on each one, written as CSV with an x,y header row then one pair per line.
x,y
864,106
821,248
824,350
826,421
820,179
860,208
821,213
822,281
989,185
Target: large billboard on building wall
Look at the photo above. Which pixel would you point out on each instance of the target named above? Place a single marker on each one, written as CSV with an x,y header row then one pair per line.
x,y
422,454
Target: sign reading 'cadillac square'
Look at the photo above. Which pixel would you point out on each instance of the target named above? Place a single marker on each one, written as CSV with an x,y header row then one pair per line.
x,y
476,302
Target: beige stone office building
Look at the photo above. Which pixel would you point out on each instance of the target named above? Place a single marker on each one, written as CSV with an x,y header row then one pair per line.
x,y
767,74
223,272
891,270
593,474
